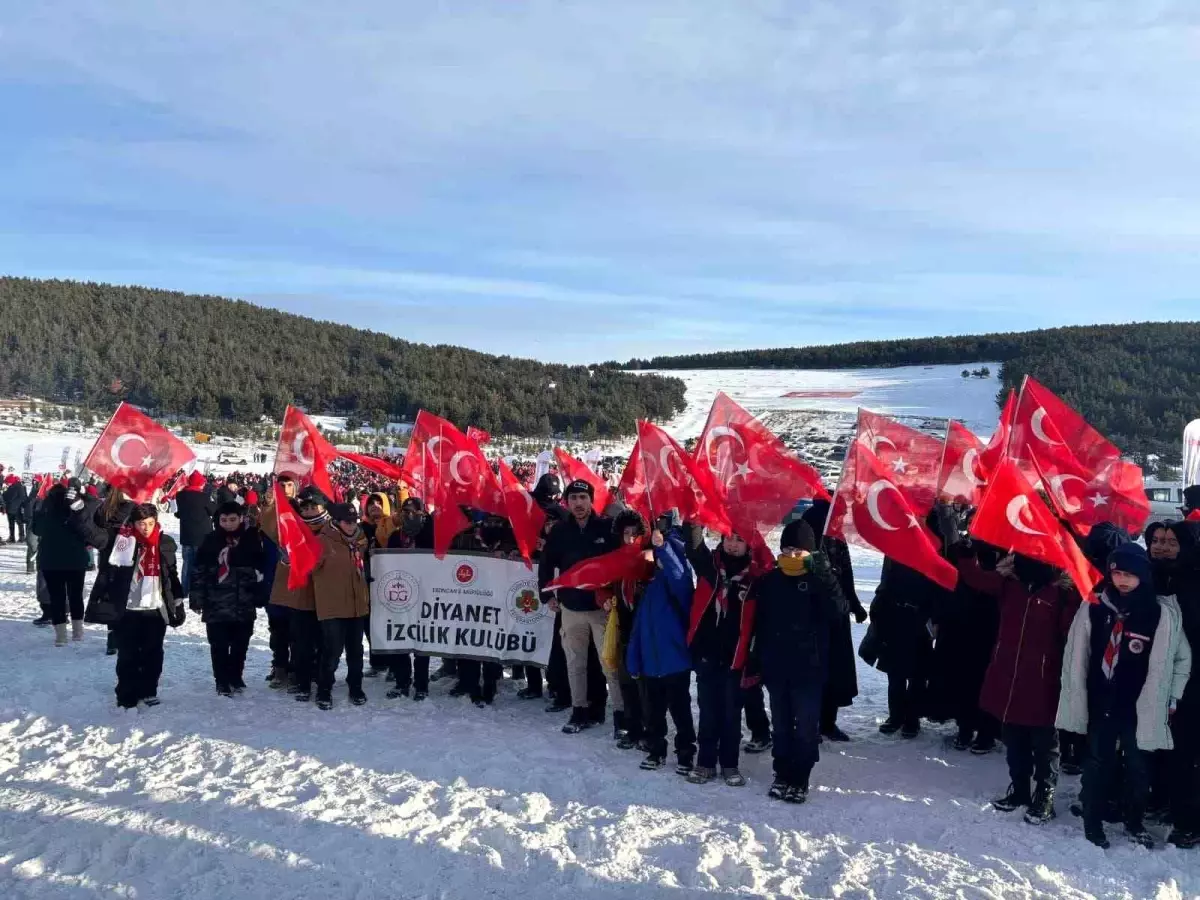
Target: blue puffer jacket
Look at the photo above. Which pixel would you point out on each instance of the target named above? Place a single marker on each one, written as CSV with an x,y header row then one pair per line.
x,y
658,645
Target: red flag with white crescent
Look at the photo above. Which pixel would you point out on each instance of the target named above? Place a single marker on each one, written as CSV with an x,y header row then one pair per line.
x,y
601,571
526,516
963,477
304,453
997,445
575,470
633,485
675,481
302,549
1046,426
136,454
911,458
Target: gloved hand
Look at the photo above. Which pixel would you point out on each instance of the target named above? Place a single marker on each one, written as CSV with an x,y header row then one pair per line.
x,y
74,498
860,614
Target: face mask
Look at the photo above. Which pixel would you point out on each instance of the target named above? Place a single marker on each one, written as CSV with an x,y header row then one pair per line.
x,y
793,566
412,525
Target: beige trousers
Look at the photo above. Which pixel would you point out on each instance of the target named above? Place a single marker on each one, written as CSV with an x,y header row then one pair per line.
x,y
578,628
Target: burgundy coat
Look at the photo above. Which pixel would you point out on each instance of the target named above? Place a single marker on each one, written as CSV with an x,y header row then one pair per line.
x,y
1023,679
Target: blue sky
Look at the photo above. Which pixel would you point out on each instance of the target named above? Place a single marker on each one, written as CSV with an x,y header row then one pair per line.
x,y
582,181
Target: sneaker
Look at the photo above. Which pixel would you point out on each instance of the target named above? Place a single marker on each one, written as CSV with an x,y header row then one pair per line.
x,y
419,696
628,741
1094,832
778,790
301,696
983,746
962,741
890,726
529,694
733,778
151,701
835,734
324,703
358,698
1014,799
1184,840
701,775
397,692
796,794
757,745
224,690
652,763
910,730
43,620
580,720
1041,809
1139,835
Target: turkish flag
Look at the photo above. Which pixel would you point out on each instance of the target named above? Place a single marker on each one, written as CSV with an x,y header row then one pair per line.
x,y
526,516
301,547
962,477
911,458
997,446
870,509
759,479
1116,493
1043,424
574,470
372,464
633,485
675,481
478,435
1014,518
304,453
600,571
136,454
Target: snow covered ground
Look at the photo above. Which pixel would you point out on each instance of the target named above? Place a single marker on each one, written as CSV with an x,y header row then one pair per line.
x,y
259,796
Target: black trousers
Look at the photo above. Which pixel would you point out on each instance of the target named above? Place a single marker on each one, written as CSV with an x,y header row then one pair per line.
x,y
796,714
139,655
410,671
227,646
905,696
338,636
978,725
755,705
1185,777
556,668
304,639
1032,752
280,636
479,678
634,722
16,529
65,589
1107,744
719,691
670,694
532,676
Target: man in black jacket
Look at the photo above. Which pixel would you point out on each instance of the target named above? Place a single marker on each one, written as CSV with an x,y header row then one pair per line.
x,y
195,507
15,501
583,536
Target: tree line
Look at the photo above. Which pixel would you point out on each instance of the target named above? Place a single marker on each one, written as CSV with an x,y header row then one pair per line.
x,y
214,358
1138,384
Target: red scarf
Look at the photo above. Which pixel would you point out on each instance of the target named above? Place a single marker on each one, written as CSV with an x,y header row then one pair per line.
x,y
149,562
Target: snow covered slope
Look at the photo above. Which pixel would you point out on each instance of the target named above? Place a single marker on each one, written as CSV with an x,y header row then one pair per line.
x,y
261,797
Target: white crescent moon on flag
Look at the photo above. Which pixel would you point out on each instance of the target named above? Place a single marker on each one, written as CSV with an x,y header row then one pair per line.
x,y
1016,506
454,461
874,440
664,462
1037,422
968,468
873,503
721,431
431,446
298,450
119,445
1056,485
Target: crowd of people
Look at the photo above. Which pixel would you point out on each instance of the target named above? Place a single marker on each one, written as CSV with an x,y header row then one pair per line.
x,y
1014,654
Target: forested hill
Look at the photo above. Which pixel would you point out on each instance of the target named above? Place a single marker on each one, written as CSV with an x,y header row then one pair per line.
x,y
205,356
1139,384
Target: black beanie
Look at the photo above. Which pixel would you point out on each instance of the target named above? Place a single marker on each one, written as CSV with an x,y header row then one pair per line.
x,y
798,535
231,508
579,486
343,512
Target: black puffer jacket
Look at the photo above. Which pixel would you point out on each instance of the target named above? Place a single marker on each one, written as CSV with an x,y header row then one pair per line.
x,y
195,511
16,500
65,535
228,581
112,582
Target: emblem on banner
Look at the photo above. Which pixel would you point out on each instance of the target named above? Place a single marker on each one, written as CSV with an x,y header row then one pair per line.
x,y
464,573
525,602
400,592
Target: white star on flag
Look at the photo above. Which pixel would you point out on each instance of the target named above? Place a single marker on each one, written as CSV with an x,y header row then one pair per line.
x,y
147,461
899,466
1098,499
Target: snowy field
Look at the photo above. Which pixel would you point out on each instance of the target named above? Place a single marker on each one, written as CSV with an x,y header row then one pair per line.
x,y
258,796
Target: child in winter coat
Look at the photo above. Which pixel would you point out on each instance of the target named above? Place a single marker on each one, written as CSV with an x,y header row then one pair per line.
x,y
228,586
155,600
798,608
657,654
1125,669
340,591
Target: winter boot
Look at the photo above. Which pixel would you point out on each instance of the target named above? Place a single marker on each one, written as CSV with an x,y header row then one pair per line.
x,y
43,620
835,734
1041,809
110,644
77,630
733,778
60,635
278,679
797,794
618,725
652,763
1094,832
397,692
580,720
779,789
628,741
890,726
302,694
224,690
418,696
983,746
701,775
1014,799
911,729
324,700
756,745
357,697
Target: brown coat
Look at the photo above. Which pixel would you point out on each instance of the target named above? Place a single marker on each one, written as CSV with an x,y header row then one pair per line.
x,y
302,599
341,589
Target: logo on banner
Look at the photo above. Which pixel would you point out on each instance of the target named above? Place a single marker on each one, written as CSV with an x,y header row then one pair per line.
x,y
400,592
525,603
464,573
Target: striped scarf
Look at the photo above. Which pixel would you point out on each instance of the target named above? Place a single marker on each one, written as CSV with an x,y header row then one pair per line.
x,y
1112,652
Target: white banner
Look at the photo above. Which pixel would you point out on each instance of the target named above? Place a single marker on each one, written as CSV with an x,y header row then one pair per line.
x,y
1191,454
469,604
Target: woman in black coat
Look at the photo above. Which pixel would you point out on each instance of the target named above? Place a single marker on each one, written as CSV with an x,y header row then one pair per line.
x,y
842,685
65,530
228,586
114,569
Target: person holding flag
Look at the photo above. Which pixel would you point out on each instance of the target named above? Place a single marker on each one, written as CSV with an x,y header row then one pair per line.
x,y
65,529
